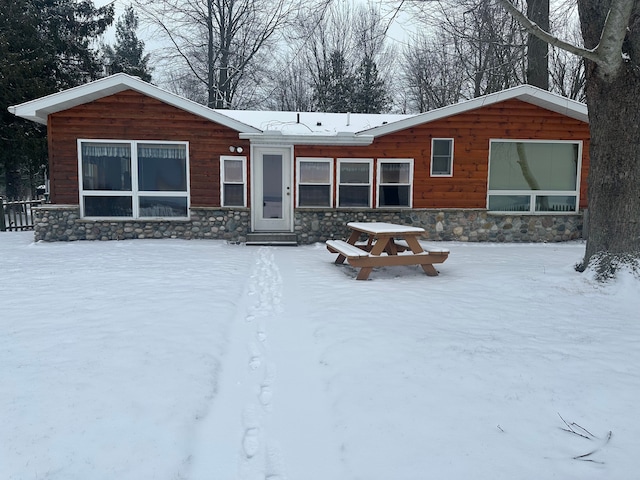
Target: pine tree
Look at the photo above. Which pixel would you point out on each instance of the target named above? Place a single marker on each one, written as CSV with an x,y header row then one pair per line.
x,y
127,55
45,47
335,88
370,94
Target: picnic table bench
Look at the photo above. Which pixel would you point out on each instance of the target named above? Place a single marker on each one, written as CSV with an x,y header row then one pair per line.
x,y
382,248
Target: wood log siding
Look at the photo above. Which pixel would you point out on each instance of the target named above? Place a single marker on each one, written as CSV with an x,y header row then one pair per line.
x,y
471,131
132,116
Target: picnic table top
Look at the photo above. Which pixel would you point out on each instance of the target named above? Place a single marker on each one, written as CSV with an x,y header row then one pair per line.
x,y
378,228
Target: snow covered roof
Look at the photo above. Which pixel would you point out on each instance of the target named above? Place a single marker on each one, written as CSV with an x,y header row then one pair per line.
x,y
312,127
292,127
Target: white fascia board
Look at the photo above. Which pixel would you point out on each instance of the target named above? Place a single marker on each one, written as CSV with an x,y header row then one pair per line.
x,y
38,110
277,138
526,93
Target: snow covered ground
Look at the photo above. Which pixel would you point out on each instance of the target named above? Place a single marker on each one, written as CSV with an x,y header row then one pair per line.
x,y
201,360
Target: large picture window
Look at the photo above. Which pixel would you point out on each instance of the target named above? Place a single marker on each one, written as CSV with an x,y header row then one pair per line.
x,y
233,174
534,176
395,177
133,179
314,176
354,182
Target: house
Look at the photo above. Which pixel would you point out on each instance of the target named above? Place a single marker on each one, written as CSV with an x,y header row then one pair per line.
x,y
130,160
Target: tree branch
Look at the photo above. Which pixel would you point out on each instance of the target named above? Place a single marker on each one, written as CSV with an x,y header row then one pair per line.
x,y
538,32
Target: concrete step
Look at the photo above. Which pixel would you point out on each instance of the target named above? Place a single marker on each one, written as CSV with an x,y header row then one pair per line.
x,y
272,238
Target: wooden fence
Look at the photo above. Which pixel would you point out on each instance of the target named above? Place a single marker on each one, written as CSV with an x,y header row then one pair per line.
x,y
17,215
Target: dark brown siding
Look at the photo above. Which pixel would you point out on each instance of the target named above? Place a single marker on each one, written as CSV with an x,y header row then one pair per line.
x,y
132,116
471,132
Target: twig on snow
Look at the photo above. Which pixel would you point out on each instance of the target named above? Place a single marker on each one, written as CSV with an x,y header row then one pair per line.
x,y
572,427
584,457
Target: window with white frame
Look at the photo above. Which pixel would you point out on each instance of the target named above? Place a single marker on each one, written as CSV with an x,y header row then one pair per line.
x,y
315,180
135,179
354,182
442,157
395,178
233,184
534,176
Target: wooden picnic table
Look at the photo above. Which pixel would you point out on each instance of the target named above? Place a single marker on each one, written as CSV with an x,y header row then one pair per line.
x,y
387,244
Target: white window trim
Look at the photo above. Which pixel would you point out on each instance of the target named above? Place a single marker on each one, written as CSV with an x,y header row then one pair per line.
x,y
368,161
450,160
223,182
134,193
300,160
534,193
379,183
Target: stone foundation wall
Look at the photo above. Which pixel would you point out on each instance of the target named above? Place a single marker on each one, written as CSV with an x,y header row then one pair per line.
x,y
55,223
63,223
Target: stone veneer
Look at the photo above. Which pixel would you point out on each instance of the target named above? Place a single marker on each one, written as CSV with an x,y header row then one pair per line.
x,y
63,223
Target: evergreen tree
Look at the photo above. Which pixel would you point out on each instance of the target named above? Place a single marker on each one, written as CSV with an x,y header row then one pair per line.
x,y
370,94
45,47
127,55
335,87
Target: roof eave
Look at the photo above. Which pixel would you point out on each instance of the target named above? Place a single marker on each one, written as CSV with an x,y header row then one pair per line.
x,y
38,110
278,138
526,93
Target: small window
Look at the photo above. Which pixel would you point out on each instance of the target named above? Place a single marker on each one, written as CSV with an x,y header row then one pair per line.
x,y
354,182
233,172
315,182
395,177
442,157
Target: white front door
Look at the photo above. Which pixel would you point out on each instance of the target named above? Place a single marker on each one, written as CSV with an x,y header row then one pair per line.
x,y
272,189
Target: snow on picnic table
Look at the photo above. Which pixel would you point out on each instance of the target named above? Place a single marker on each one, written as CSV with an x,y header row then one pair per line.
x,y
202,360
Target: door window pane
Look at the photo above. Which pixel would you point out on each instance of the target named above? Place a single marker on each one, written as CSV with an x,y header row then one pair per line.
x,y
106,166
272,186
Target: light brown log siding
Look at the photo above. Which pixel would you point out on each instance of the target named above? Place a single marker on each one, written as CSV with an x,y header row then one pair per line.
x,y
471,132
133,116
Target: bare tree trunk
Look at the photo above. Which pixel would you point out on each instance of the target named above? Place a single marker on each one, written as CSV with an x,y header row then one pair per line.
x,y
211,57
537,49
611,33
614,173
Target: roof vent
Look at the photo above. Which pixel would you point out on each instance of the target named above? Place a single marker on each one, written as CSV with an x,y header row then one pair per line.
x,y
318,124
